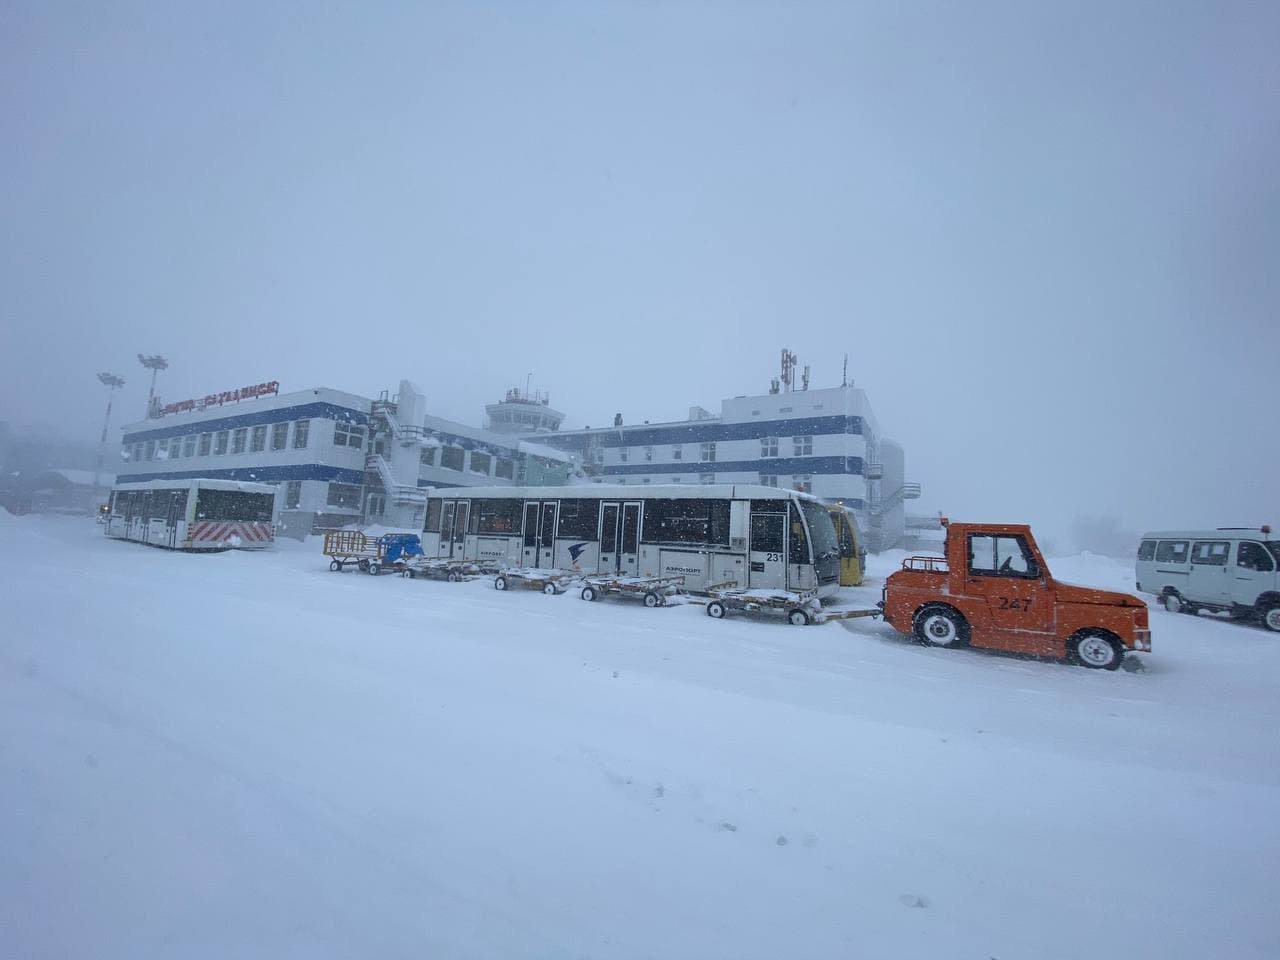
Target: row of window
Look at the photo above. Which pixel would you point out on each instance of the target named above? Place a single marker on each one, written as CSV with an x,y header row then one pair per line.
x,y
799,481
274,436
455,458
1250,554
769,446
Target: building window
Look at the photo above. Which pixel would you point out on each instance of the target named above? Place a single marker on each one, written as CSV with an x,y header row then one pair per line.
x,y
451,458
206,444
345,495
768,480
258,441
598,454
802,482
136,453
677,452
675,479
149,451
480,462
648,453
645,480
803,446
768,446
707,453
347,434
189,446
624,480
624,454
427,456
279,436
784,409
220,442
162,449
504,468
706,478
301,429
292,494
238,438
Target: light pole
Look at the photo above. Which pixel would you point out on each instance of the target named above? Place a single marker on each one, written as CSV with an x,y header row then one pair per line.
x,y
111,382
155,363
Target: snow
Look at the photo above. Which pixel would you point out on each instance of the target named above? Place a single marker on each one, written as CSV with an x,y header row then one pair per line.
x,y
247,755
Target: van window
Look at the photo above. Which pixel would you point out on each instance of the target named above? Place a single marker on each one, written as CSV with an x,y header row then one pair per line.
x,y
1254,556
1147,550
1171,551
1211,552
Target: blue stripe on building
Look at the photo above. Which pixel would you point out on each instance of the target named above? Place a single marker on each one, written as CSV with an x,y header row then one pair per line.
x,y
702,432
301,471
770,466
304,411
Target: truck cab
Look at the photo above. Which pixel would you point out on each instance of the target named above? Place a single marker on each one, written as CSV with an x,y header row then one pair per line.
x,y
994,590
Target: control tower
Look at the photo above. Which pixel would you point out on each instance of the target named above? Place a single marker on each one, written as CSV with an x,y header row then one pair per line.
x,y
522,412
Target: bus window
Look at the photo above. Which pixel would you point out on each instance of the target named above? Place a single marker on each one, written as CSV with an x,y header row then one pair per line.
x,y
798,551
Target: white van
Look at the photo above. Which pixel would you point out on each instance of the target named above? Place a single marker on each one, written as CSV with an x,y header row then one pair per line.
x,y
1235,569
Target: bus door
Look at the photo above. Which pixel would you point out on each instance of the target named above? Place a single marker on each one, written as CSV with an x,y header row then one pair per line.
x,y
176,514
768,555
453,529
547,535
619,537
529,549
144,520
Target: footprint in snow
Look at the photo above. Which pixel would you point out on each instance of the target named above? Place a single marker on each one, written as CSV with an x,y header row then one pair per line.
x,y
913,900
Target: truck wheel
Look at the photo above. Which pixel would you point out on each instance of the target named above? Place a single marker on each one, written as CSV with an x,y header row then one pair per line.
x,y
715,610
500,582
1271,618
1095,649
940,626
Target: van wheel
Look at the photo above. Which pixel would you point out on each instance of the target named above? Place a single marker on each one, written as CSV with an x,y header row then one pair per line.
x,y
1175,604
1271,618
1095,649
940,626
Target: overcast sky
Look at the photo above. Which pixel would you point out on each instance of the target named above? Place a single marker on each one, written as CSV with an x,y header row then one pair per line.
x,y
1048,236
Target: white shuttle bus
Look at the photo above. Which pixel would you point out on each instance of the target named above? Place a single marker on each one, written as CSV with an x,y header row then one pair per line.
x,y
195,514
751,536
1232,569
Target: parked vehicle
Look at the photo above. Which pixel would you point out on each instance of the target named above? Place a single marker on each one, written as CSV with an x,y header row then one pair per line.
x,y
195,514
994,590
1232,569
853,557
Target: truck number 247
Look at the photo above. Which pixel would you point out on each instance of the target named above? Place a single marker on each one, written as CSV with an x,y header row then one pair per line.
x,y
1014,603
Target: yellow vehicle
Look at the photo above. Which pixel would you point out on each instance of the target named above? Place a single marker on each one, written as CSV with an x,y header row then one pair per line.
x,y
852,556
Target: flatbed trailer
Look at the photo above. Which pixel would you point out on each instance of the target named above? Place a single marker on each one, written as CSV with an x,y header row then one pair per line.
x,y
549,581
800,608
654,591
453,571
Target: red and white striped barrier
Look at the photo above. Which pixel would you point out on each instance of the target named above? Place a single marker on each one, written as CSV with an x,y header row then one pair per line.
x,y
250,533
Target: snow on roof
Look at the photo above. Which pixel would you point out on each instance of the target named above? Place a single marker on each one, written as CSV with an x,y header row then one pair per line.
x,y
203,483
542,450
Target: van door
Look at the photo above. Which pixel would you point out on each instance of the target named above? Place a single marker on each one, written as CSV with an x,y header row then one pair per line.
x,y
1210,580
1252,572
768,551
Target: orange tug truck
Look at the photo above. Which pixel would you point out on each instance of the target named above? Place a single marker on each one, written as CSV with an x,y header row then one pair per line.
x,y
995,591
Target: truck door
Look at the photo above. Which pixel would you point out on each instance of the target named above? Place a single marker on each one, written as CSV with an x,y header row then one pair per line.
x,y
768,551
1211,578
1002,569
1253,573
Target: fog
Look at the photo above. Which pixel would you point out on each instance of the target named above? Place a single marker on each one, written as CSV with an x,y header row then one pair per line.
x,y
1047,237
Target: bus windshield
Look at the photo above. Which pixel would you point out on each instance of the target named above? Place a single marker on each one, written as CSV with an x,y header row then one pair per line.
x,y
826,549
234,505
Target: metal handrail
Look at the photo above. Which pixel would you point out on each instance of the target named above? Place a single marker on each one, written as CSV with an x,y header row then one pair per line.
x,y
926,564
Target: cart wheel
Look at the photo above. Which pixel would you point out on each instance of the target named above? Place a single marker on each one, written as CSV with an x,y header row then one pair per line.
x,y
407,573
500,582
651,599
715,610
798,617
335,566
453,576
374,569
588,593
550,589
363,565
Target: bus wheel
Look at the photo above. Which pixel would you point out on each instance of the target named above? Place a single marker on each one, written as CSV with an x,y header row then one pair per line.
x,y
550,589
335,566
373,569
715,610
651,599
1271,618
1095,649
798,617
499,582
588,593
940,626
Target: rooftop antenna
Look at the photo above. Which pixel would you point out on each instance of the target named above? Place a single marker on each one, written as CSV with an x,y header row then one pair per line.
x,y
804,378
788,370
844,379
526,384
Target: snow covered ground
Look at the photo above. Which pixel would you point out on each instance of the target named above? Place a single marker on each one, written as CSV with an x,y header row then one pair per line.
x,y
245,755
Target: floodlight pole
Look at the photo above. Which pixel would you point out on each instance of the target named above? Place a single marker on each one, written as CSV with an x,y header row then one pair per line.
x,y
111,382
155,363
